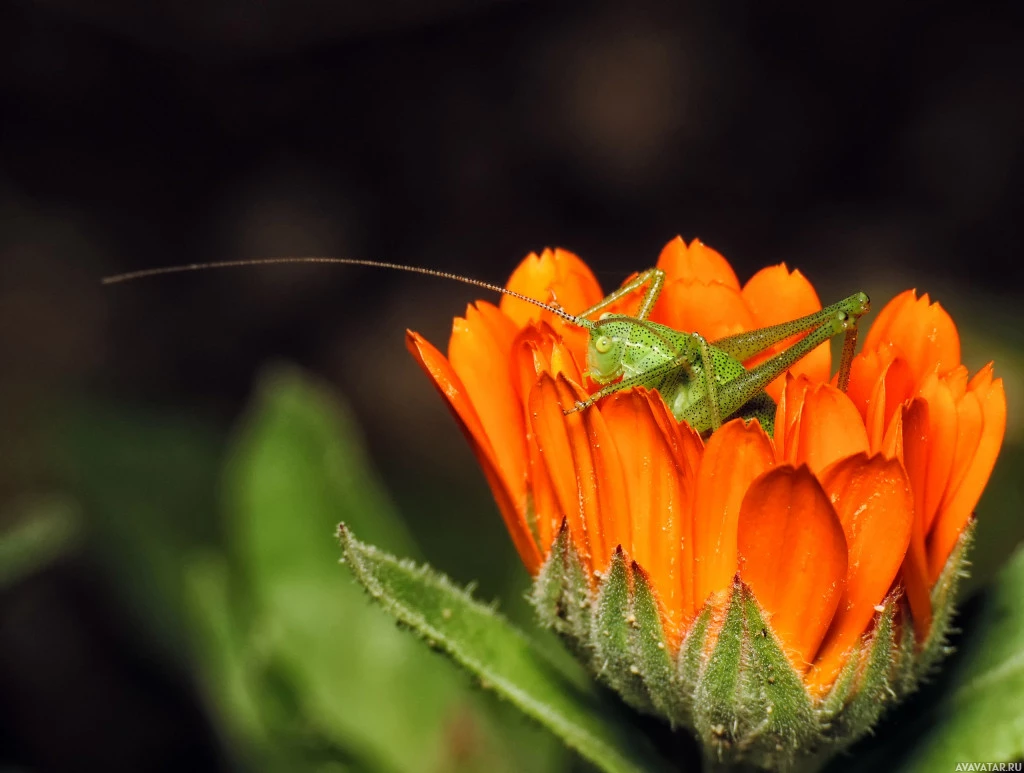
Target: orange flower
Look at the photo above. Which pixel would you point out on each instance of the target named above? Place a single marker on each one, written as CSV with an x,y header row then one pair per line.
x,y
855,491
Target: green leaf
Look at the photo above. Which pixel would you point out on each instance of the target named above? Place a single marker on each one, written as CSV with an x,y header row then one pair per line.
x,y
981,715
146,485
316,651
973,709
41,530
481,641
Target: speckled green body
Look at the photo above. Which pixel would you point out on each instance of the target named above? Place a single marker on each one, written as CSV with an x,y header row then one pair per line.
x,y
705,383
673,363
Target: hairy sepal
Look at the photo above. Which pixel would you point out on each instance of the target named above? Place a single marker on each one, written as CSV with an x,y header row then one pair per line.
x,y
728,678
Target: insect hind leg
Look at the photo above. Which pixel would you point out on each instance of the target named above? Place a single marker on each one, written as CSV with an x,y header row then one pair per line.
x,y
743,346
738,392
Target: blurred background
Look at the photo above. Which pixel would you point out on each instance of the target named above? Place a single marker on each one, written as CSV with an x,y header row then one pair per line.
x,y
169,475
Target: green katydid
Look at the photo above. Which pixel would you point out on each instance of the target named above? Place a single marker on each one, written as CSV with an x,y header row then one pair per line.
x,y
703,383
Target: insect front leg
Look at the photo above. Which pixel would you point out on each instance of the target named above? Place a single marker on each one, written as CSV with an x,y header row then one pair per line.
x,y
652,379
654,278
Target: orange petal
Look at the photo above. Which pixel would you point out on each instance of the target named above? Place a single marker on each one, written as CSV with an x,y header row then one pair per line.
x,y
793,555
554,276
957,379
685,442
875,505
542,505
538,349
454,392
774,295
659,505
894,386
828,426
713,310
697,263
923,332
787,415
688,451
958,505
479,351
735,455
532,355
892,441
940,449
917,436
609,483
583,463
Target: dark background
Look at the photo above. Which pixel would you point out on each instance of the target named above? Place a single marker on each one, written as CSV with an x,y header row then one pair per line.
x,y
875,146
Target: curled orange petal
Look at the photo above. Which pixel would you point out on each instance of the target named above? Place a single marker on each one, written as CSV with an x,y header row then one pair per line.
x,y
894,387
793,555
554,277
584,468
734,456
985,399
454,392
820,424
659,506
774,295
921,331
715,310
917,439
865,371
940,448
787,414
875,505
696,263
479,352
538,349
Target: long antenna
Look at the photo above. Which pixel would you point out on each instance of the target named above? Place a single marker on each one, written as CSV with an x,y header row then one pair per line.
x,y
131,276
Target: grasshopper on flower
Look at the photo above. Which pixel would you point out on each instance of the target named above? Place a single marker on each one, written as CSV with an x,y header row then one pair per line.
x,y
703,383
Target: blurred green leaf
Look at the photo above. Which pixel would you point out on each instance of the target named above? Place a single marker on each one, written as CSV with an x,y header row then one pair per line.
x,y
973,710
315,659
1000,529
39,530
980,717
146,484
477,638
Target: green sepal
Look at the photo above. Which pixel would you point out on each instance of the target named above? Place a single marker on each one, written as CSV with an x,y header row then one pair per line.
x,y
650,650
944,594
717,693
612,631
839,694
905,678
690,661
730,679
784,712
873,691
562,595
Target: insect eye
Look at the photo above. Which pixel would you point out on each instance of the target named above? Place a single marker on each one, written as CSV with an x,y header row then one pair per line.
x,y
603,344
